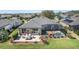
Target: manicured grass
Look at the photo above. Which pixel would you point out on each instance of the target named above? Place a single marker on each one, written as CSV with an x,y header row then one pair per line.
x,y
53,43
13,33
63,43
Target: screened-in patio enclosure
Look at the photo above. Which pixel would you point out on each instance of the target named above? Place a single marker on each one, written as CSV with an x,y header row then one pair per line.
x,y
51,27
34,31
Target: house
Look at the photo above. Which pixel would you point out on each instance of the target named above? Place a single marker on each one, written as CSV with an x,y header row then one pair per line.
x,y
72,22
75,24
13,23
6,24
40,25
3,23
1,17
33,30
68,21
27,16
9,24
4,16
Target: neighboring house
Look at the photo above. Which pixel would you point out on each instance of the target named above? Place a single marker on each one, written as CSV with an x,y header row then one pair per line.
x,y
9,24
13,23
27,16
1,18
75,24
16,22
6,15
3,23
39,25
67,21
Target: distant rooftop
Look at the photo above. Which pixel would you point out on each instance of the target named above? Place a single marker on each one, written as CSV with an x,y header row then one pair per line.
x,y
25,11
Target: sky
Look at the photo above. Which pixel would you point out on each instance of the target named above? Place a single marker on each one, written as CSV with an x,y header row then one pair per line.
x,y
25,11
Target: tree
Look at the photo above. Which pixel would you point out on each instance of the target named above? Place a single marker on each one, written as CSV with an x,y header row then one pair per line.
x,y
48,13
59,15
3,35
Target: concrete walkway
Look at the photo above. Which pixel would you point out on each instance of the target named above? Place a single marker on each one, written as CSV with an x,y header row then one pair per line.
x,y
71,33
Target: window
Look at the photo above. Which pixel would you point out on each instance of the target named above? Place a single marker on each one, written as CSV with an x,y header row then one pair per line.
x,y
23,30
34,31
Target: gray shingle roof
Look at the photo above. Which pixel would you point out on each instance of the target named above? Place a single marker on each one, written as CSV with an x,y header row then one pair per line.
x,y
5,22
15,20
76,22
37,22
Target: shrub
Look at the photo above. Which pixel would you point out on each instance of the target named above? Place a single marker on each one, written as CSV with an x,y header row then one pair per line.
x,y
71,37
64,31
14,34
4,35
76,31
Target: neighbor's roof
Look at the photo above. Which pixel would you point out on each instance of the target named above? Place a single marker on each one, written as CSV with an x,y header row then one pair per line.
x,y
76,22
5,22
37,22
15,20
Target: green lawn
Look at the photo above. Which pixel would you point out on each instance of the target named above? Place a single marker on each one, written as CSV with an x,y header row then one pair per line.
x,y
56,43
13,33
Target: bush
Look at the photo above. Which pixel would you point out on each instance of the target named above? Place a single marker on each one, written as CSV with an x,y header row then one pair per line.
x,y
71,37
14,34
4,35
64,31
76,31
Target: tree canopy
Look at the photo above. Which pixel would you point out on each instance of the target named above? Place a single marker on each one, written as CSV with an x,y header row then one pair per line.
x,y
58,15
48,13
3,35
